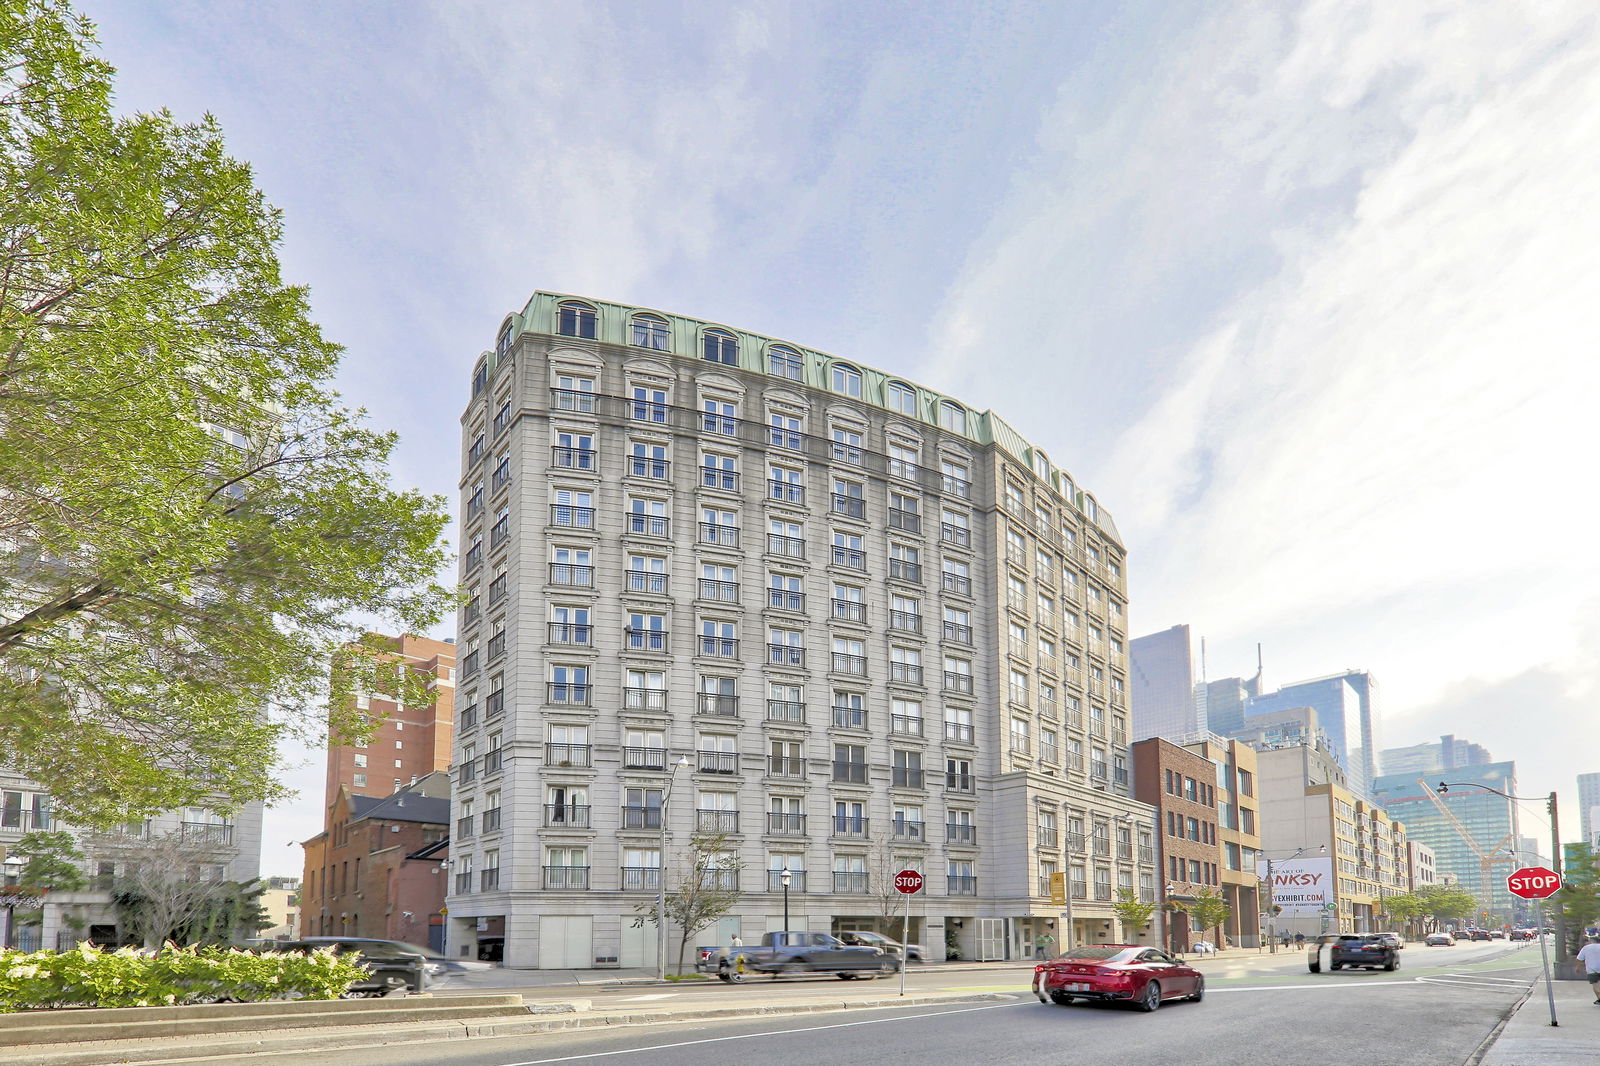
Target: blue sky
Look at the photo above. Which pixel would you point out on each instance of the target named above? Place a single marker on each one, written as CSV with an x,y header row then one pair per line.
x,y
1305,293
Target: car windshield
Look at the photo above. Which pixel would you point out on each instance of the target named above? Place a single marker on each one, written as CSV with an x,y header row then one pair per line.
x,y
1112,952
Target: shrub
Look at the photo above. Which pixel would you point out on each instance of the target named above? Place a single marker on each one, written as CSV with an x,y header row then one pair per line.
x,y
88,977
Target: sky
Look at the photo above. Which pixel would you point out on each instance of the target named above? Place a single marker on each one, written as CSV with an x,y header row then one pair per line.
x,y
1304,293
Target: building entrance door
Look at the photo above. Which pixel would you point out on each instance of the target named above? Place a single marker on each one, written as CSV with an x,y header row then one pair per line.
x,y
991,939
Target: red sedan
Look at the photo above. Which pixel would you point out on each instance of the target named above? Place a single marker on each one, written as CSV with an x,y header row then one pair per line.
x,y
1141,975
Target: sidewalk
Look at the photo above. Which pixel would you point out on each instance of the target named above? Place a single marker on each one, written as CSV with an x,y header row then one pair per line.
x,y
1529,1039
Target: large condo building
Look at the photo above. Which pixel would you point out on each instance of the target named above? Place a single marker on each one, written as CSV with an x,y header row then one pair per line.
x,y
1165,700
728,585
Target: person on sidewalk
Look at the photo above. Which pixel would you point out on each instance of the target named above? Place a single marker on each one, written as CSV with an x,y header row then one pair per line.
x,y
1588,964
1042,945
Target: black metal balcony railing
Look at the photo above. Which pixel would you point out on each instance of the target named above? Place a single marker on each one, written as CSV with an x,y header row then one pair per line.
x,y
957,682
721,535
568,693
1119,776
644,699
572,458
960,536
797,880
721,591
566,877
846,717
716,821
493,760
786,823
560,633
1147,853
784,600
567,754
207,832
904,470
787,491
718,762
910,673
1075,843
720,647
1124,851
854,773
905,621
726,880
784,766
1102,846
907,521
1049,754
960,783
645,581
786,655
1046,838
649,525
788,547
489,880
474,558
572,574
641,817
852,558
463,882
960,731
491,820
955,486
902,570
636,757
466,772
499,479
723,705
713,478
1102,891
561,816
654,469
906,830
960,833
906,724
845,881
849,610
906,777
640,878
849,506
785,711
844,663
646,639
573,517
957,632
961,885
572,400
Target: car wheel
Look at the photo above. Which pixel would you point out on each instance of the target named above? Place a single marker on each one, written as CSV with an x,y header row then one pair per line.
x,y
1392,965
1335,965
1316,967
886,968
1151,999
1199,990
1060,999
795,967
845,975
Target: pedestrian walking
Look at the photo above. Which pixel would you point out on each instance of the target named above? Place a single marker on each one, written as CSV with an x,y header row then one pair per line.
x,y
1299,940
1588,964
1042,945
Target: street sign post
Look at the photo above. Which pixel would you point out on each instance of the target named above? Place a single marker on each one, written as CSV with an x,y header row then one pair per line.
x,y
906,882
1538,883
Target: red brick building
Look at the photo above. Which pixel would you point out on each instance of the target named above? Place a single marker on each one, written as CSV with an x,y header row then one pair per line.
x,y
1181,785
410,742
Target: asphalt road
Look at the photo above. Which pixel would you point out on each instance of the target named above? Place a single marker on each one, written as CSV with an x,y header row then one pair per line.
x,y
1435,1011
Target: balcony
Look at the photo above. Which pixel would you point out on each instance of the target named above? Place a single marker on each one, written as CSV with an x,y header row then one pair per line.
x,y
1102,847
649,525
644,699
958,682
797,880
572,517
566,877
786,491
720,879
902,570
1102,892
905,621
1124,851
567,694
786,823
491,820
788,547
961,833
904,470
850,558
722,705
844,663
959,536
849,506
716,821
560,816
960,783
635,757
719,647
1080,890
653,469
720,591
463,882
718,762
713,478
641,817
1046,838
910,673
645,639
786,711
489,880
959,584
1075,843
573,459
849,611
908,831
784,600
1050,755
961,885
955,486
560,633
574,755
786,655
849,882
640,878
958,731
907,521
783,766
850,773
958,633
493,760
572,400
846,717
572,575
645,581
1146,853
906,777
723,536
906,724
205,832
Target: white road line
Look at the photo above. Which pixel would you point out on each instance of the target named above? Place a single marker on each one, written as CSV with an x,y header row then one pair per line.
x,y
641,999
1212,990
755,1036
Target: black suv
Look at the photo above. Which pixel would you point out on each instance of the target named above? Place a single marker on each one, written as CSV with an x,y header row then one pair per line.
x,y
390,968
1368,950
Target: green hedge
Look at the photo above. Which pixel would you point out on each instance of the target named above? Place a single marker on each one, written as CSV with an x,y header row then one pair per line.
x,y
88,977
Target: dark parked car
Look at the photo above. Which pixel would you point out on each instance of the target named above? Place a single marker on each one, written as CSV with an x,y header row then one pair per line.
x,y
437,964
1481,934
1367,950
386,973
1129,973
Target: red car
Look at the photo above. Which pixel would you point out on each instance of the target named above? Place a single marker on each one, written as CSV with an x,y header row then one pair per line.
x,y
1141,975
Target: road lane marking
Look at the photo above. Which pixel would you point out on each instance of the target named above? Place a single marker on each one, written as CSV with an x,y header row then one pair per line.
x,y
641,999
757,1036
1212,989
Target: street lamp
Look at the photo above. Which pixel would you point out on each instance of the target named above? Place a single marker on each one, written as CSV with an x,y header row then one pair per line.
x,y
784,879
661,876
1272,940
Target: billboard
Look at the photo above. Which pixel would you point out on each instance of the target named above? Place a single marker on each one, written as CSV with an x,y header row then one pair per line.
x,y
1302,887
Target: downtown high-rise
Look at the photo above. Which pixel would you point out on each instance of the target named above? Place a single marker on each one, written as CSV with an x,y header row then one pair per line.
x,y
726,585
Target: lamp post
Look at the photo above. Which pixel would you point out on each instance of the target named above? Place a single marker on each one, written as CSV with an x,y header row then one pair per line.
x,y
661,876
784,879
1272,939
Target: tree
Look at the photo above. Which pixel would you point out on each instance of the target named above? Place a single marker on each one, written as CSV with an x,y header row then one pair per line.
x,y
195,516
53,863
705,891
1445,902
1579,898
884,863
1133,912
1210,911
167,886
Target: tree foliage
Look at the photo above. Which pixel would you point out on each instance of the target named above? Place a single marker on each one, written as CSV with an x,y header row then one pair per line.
x,y
52,862
1133,912
704,890
190,516
167,887
1210,911
1579,899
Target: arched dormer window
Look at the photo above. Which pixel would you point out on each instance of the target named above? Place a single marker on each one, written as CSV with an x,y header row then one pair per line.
x,y
574,319
480,378
847,380
649,331
785,362
952,417
720,347
902,398
502,344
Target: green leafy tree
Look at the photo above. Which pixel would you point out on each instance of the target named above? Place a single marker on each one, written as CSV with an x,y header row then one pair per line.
x,y
706,890
52,862
1579,898
1443,903
1133,912
1210,911
193,514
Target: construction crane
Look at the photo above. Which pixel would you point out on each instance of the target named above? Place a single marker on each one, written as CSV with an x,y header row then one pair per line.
x,y
1487,860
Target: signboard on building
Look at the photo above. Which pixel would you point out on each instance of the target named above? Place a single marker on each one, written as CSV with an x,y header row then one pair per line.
x,y
1302,887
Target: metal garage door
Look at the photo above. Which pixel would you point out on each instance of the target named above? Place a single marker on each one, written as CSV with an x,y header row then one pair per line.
x,y
566,942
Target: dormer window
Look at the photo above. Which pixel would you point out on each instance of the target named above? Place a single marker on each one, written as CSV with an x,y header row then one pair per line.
x,y
649,331
785,363
575,320
847,380
720,347
952,417
902,398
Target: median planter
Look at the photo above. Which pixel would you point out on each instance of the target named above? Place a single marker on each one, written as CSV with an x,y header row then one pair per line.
x,y
88,977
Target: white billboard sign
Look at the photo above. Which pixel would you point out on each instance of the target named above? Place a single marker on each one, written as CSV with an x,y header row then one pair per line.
x,y
1302,887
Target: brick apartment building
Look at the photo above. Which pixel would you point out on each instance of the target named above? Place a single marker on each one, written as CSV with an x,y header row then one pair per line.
x,y
409,742
1181,785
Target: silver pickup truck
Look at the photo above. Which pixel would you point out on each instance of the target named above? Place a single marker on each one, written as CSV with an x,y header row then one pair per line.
x,y
796,953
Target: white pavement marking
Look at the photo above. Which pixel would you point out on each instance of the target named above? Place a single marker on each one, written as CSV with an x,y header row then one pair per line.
x,y
641,999
1212,990
756,1036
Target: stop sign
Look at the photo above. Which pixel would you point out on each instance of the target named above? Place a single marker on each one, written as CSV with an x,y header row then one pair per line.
x,y
908,881
1534,882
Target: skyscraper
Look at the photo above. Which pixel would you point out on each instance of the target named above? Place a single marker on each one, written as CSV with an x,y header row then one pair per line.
x,y
1589,807
1161,683
1447,753
1344,706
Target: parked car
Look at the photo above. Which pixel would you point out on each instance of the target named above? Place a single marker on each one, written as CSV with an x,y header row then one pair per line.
x,y
910,952
1480,934
1127,973
1439,940
1203,947
1497,934
794,953
437,965
1367,950
1521,934
1394,939
388,972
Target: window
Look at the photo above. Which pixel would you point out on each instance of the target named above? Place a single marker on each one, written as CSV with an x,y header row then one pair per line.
x,y
572,507
649,331
905,562
904,461
784,592
905,717
784,431
648,461
647,517
847,380
785,363
575,320
902,398
958,724
955,478
573,393
649,405
905,664
719,471
720,347
850,763
720,417
846,447
952,417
